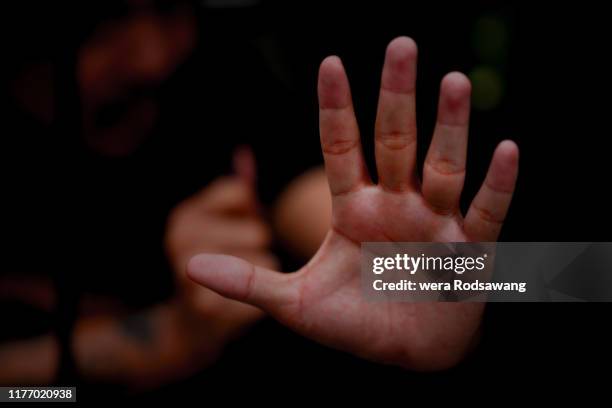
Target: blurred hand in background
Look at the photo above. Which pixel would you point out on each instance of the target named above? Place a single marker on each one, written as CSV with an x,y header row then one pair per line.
x,y
223,217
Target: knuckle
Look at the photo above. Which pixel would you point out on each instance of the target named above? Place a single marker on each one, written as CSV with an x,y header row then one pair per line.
x,y
339,146
487,215
396,140
445,167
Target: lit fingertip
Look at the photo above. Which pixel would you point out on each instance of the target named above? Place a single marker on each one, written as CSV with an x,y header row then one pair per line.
x,y
508,152
399,72
333,85
456,86
331,68
402,48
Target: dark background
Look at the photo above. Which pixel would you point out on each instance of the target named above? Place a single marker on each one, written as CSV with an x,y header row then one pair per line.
x,y
555,105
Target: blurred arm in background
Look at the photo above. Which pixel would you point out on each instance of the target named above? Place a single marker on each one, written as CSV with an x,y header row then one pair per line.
x,y
173,339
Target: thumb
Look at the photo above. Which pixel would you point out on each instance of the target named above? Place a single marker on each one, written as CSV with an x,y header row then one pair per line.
x,y
240,280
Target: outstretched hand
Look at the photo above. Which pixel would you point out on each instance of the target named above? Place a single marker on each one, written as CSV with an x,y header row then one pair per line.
x,y
323,300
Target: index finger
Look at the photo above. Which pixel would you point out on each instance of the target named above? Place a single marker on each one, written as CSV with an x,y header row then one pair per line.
x,y
344,164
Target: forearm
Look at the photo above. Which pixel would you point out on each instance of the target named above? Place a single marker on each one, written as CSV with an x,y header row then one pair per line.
x,y
138,350
141,350
29,362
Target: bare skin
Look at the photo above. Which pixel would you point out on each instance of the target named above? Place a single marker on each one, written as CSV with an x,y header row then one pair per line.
x,y
170,340
323,299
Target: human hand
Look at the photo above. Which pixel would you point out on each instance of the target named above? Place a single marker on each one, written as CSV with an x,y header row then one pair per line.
x,y
221,218
323,300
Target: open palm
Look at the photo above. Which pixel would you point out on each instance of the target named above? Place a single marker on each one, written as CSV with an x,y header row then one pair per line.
x,y
323,300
